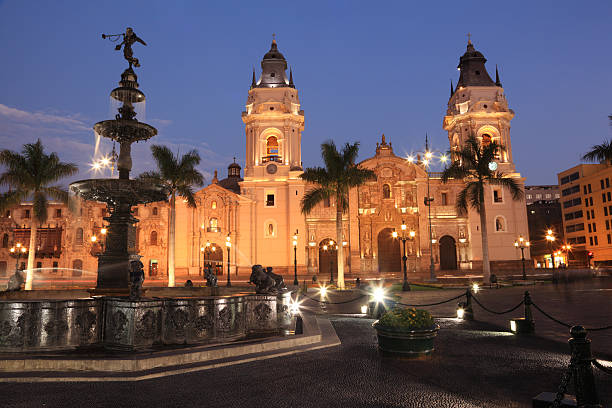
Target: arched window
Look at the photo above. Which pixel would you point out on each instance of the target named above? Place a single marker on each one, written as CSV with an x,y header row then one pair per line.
x,y
153,238
154,210
500,224
213,223
5,239
272,148
78,236
213,205
386,191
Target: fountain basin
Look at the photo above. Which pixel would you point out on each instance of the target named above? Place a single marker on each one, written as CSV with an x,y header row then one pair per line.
x,y
124,324
113,191
125,130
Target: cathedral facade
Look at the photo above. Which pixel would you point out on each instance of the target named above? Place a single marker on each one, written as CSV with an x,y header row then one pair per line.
x,y
255,217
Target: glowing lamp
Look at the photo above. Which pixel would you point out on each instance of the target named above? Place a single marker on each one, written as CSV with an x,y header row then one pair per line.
x,y
103,231
379,295
364,309
475,287
394,234
522,326
460,313
94,238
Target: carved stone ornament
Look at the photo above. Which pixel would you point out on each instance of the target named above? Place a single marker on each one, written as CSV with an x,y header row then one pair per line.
x,y
225,318
147,327
262,313
118,324
56,329
86,325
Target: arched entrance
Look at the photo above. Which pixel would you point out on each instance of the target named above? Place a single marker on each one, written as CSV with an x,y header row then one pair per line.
x,y
328,259
213,257
389,255
448,253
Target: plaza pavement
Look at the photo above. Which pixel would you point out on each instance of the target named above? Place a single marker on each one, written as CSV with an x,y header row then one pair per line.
x,y
475,364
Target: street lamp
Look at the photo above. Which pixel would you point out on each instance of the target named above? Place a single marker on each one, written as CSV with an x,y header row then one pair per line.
x,y
566,248
228,244
331,261
522,243
403,237
426,162
17,251
295,242
550,237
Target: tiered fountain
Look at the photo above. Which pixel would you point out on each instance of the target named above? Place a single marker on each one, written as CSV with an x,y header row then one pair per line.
x,y
123,193
112,318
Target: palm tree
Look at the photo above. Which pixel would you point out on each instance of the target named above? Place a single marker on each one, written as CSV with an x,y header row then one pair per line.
x,y
601,152
335,180
471,164
31,175
179,175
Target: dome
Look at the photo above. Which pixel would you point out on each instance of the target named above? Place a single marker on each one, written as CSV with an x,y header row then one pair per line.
x,y
472,67
273,67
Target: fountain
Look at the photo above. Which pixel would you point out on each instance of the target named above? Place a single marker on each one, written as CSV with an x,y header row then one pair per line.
x,y
116,316
123,193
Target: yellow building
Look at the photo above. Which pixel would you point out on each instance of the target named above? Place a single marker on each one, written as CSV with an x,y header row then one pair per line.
x,y
259,213
586,200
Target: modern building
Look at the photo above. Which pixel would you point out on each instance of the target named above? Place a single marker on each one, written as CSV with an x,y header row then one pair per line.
x,y
586,196
541,193
542,216
259,213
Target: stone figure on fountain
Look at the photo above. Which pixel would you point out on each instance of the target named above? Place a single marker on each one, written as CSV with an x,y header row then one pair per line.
x,y
266,282
15,282
129,38
136,277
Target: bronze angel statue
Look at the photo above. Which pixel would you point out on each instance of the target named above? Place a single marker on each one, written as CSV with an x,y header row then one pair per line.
x,y
129,38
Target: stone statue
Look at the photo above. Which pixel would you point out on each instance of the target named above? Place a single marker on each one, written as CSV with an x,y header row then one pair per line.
x,y
266,282
15,282
136,278
211,278
129,38
279,282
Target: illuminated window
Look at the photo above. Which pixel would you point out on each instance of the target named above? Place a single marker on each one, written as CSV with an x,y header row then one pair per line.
x,y
213,223
213,205
272,146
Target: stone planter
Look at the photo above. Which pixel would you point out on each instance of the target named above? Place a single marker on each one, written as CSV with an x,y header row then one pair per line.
x,y
413,343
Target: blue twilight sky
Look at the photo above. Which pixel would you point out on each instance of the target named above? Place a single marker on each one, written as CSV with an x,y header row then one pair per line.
x,y
362,68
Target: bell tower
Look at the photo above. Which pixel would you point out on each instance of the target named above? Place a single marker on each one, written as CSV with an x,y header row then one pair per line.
x,y
273,121
478,107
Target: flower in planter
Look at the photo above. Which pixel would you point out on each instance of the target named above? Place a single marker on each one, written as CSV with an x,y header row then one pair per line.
x,y
407,318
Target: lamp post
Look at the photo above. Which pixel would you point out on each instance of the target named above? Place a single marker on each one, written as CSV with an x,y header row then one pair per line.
x,y
522,243
550,237
228,244
566,248
331,261
295,242
17,251
403,237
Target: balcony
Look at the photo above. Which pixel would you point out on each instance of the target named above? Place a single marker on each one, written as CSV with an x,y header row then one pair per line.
x,y
213,229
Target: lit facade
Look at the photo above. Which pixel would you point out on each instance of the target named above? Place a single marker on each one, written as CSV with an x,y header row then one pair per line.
x,y
260,211
586,199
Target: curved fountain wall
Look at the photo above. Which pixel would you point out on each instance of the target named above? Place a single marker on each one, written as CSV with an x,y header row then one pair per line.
x,y
124,324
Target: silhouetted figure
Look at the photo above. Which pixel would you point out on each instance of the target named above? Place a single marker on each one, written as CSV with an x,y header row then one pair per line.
x,y
136,278
188,283
15,282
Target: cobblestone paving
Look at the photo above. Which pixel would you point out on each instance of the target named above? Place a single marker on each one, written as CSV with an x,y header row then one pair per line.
x,y
473,366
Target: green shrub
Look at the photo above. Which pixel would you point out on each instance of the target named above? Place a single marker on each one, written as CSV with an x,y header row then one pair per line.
x,y
407,318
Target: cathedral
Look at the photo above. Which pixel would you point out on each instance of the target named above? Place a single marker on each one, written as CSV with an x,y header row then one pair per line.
x,y
253,215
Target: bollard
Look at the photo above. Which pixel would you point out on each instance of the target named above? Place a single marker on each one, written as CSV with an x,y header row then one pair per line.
x,y
468,311
299,325
582,371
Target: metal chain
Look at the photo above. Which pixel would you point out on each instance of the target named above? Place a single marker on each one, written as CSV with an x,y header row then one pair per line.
x,y
565,378
550,317
607,370
433,304
493,311
334,303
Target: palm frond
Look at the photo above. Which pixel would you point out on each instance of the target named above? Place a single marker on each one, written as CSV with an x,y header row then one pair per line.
x,y
357,175
317,175
314,197
599,153
509,183
186,192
